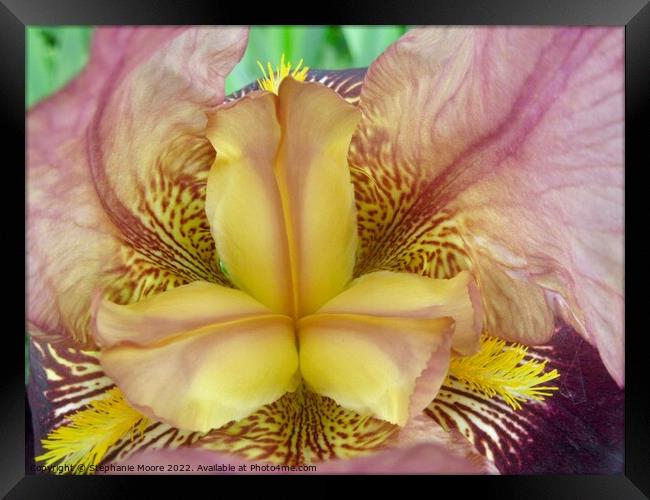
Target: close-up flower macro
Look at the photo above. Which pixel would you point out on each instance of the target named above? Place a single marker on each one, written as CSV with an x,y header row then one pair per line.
x,y
388,251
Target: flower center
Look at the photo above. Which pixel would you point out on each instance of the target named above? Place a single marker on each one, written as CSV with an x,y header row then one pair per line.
x,y
281,209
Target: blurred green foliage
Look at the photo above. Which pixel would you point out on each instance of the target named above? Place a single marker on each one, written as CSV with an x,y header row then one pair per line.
x,y
56,54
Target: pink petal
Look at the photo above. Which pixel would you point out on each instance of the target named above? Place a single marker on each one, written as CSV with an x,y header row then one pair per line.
x,y
512,138
74,245
423,447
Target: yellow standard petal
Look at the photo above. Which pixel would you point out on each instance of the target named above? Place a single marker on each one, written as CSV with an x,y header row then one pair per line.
x,y
280,200
314,180
243,203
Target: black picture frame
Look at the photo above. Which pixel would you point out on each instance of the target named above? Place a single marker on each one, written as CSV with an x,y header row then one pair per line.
x,y
16,15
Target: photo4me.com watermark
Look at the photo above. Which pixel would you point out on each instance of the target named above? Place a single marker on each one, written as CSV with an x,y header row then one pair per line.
x,y
169,468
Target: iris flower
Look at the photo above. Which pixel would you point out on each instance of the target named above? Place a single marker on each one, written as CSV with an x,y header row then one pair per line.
x,y
331,264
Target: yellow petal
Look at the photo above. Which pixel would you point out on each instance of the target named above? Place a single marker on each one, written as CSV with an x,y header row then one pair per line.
x,y
197,356
315,184
405,295
243,203
210,376
371,364
280,200
171,313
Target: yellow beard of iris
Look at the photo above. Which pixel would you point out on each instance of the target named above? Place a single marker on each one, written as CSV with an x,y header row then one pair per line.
x,y
271,82
282,213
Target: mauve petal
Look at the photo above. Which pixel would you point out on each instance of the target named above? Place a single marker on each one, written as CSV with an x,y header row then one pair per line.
x,y
64,379
421,447
66,113
419,459
74,245
578,430
502,148
71,242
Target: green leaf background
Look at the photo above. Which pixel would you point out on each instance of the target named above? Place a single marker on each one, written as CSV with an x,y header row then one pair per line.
x,y
56,54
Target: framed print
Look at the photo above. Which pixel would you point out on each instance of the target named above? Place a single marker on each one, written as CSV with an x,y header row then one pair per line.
x,y
259,248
